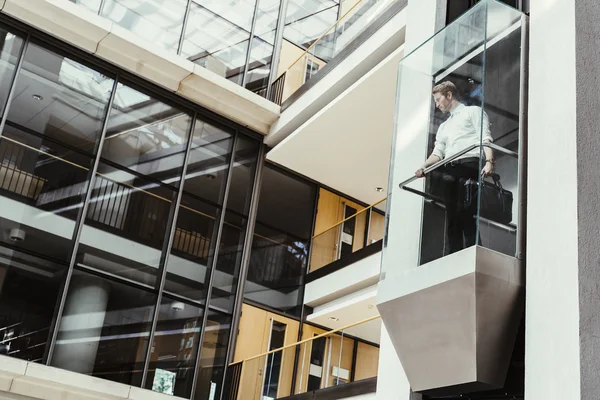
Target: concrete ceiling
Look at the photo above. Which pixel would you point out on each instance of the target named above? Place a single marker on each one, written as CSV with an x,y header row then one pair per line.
x,y
347,144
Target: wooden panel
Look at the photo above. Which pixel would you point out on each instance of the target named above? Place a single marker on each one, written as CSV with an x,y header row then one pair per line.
x,y
376,228
308,332
251,341
345,362
284,387
324,246
367,361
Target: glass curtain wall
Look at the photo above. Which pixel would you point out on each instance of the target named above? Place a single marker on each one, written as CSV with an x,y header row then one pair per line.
x,y
122,224
235,39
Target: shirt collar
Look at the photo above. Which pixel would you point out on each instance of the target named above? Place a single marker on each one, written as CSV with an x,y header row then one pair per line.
x,y
457,109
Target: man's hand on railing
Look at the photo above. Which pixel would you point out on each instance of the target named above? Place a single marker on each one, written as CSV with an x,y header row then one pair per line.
x,y
420,173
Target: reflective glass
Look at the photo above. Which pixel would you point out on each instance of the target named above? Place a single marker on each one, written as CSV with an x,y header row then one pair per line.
x,y
281,241
10,47
261,51
234,229
212,356
46,151
126,226
158,21
203,191
29,290
175,348
104,329
306,20
217,36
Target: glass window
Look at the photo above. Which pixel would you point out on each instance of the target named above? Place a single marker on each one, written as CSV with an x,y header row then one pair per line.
x,y
10,47
213,356
234,229
159,21
306,20
126,226
217,36
281,241
175,348
46,151
29,288
201,204
104,329
261,51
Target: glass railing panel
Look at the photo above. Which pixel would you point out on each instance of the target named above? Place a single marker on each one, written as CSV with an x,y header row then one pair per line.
x,y
458,126
355,232
356,17
321,361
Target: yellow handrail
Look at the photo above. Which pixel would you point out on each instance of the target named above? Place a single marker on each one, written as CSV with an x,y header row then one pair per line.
x,y
323,35
309,339
350,217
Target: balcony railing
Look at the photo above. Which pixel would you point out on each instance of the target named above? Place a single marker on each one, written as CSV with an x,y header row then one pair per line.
x,y
327,46
326,360
353,233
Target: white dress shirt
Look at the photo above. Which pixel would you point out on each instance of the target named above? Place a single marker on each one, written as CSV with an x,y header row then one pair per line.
x,y
462,129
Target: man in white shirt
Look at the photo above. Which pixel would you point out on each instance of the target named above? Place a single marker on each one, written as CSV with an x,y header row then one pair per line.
x,y
466,126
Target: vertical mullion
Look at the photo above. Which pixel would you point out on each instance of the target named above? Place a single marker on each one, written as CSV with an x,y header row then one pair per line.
x,y
13,86
79,223
213,266
245,257
186,17
166,251
101,8
250,40
277,44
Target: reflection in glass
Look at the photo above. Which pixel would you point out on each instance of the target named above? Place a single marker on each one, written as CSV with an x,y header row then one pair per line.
x,y
306,20
92,5
29,288
203,192
104,329
234,229
212,356
175,348
126,224
53,126
158,21
217,36
10,47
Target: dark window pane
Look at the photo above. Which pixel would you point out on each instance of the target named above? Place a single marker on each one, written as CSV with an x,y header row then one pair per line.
x,y
60,98
29,288
175,348
104,329
281,239
242,178
126,226
212,356
10,46
53,124
146,135
204,187
160,22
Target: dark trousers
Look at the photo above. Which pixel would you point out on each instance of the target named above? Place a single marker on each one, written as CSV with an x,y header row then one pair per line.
x,y
461,227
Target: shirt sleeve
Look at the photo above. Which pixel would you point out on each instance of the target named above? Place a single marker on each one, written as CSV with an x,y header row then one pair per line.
x,y
440,144
476,116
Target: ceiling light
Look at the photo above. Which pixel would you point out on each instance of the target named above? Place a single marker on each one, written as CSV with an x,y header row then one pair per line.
x,y
379,189
334,319
37,97
210,177
370,306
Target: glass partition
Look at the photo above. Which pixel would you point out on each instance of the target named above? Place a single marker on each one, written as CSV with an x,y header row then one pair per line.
x,y
455,176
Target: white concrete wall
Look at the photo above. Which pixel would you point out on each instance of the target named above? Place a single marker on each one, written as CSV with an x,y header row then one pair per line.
x,y
552,365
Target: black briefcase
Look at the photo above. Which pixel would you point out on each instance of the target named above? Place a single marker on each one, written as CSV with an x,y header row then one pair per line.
x,y
496,202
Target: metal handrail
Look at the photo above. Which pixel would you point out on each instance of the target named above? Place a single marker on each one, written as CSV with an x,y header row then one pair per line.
x,y
455,156
308,340
350,217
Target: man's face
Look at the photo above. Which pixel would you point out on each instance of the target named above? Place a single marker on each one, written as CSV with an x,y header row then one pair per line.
x,y
443,102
